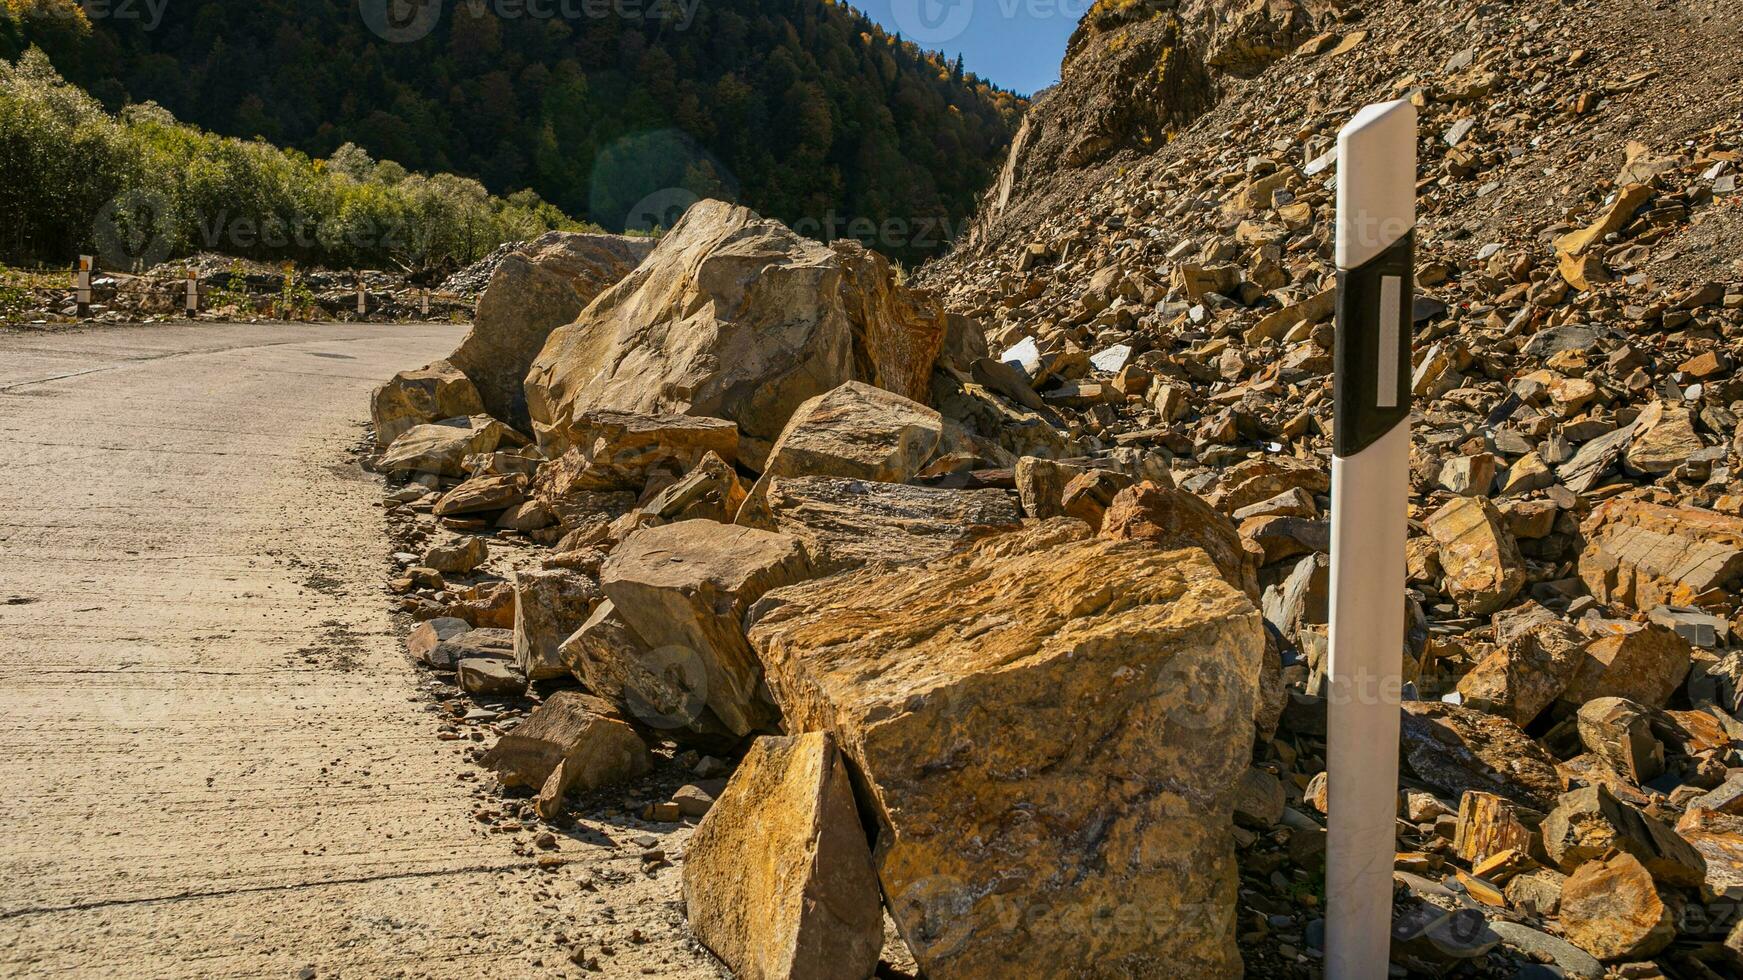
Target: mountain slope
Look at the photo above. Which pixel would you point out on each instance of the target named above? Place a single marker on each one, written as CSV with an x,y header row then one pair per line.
x,y
802,109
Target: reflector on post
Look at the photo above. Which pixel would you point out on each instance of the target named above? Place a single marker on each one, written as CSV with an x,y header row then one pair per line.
x,y
82,285
1376,217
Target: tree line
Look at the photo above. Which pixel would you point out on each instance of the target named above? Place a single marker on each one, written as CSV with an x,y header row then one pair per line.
x,y
139,187
615,112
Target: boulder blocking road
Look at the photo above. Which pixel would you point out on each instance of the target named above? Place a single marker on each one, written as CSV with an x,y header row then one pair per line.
x,y
218,761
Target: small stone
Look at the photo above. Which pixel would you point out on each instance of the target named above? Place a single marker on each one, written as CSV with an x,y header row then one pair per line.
x,y
1259,800
1481,562
429,633
490,677
1619,731
458,558
1536,892
693,801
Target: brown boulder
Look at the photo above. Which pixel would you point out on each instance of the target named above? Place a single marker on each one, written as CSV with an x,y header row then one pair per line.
x,y
1169,519
854,431
1591,822
441,447
1479,559
778,880
534,290
1456,749
848,523
734,316
1646,555
1049,729
1610,909
687,586
662,688
481,494
571,742
549,604
1642,662
621,450
429,394
1527,673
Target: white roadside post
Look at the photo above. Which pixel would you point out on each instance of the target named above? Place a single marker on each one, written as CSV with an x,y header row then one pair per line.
x,y
424,304
1376,215
82,285
193,294
362,299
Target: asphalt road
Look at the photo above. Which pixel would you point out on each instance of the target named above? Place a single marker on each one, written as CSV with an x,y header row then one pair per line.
x,y
216,759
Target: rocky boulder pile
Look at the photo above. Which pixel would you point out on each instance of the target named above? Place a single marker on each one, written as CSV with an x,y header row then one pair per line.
x,y
1031,560
739,531
1572,659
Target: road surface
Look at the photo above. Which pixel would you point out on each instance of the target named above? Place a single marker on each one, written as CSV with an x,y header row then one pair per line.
x,y
217,759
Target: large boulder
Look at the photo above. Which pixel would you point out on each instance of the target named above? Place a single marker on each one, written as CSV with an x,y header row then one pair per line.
x,y
1643,662
857,431
1612,909
1481,561
777,880
1525,674
541,286
441,447
428,394
662,688
848,523
1049,730
684,589
1456,750
735,317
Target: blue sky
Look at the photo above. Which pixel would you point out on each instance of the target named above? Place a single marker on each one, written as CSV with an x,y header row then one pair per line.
x,y
1016,44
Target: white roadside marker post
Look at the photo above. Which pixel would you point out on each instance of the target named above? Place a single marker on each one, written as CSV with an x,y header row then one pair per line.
x,y
193,294
362,299
82,286
424,303
1376,215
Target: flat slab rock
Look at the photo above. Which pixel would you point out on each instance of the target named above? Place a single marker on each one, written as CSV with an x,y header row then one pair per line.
x,y
846,523
1644,555
1048,729
1455,749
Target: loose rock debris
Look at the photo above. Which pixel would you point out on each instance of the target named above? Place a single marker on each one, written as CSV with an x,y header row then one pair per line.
x,y
1030,558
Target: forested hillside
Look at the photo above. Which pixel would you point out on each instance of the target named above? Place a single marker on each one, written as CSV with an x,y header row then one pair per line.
x,y
618,113
138,188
